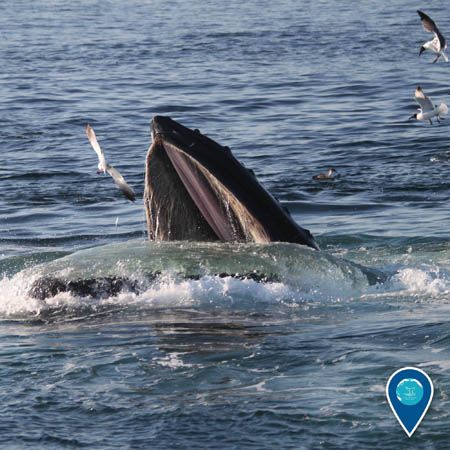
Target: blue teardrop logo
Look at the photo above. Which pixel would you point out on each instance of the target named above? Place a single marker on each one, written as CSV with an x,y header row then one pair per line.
x,y
409,392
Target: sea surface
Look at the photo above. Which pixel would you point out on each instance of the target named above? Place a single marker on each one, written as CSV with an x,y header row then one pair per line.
x,y
294,88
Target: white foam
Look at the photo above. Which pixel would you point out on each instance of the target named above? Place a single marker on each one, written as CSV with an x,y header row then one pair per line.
x,y
13,296
377,388
169,291
424,280
258,387
172,360
210,292
442,364
437,350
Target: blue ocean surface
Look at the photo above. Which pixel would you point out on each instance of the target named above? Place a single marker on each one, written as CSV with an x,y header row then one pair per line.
x,y
293,88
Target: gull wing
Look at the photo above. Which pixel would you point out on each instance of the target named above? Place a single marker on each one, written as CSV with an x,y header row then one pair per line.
x,y
429,25
442,40
93,140
121,183
427,22
425,103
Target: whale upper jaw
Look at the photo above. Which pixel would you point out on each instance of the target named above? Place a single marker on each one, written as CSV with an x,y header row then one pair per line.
x,y
195,189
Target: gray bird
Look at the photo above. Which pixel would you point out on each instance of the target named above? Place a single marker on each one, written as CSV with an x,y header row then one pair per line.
x,y
104,167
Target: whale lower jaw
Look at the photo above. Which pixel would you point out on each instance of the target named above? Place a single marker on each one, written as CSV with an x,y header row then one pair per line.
x,y
105,287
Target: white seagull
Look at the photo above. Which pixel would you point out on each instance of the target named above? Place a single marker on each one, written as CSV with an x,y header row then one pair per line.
x,y
438,44
427,110
104,167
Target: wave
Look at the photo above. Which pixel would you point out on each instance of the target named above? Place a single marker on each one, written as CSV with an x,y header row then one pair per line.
x,y
428,283
189,275
218,278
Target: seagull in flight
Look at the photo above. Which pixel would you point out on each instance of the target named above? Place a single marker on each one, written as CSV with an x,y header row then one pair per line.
x,y
324,176
438,44
427,110
104,167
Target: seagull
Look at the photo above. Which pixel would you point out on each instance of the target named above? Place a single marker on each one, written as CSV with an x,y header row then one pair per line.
x,y
427,110
104,167
324,176
438,44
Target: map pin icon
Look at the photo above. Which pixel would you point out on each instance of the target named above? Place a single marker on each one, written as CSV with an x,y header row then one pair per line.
x,y
409,392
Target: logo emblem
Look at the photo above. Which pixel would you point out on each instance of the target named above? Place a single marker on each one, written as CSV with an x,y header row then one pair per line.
x,y
409,392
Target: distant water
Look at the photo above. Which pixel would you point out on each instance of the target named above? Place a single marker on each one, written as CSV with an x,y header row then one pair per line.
x,y
294,88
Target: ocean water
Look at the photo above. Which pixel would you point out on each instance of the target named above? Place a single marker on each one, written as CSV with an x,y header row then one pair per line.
x,y
294,88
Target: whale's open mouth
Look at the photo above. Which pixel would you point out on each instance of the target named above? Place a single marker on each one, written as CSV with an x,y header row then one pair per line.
x,y
195,189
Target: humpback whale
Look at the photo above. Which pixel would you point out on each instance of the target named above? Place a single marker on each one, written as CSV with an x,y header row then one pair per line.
x,y
195,189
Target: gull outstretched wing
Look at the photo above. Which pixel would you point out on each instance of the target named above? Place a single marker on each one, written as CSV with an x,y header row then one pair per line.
x,y
425,103
121,183
102,164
